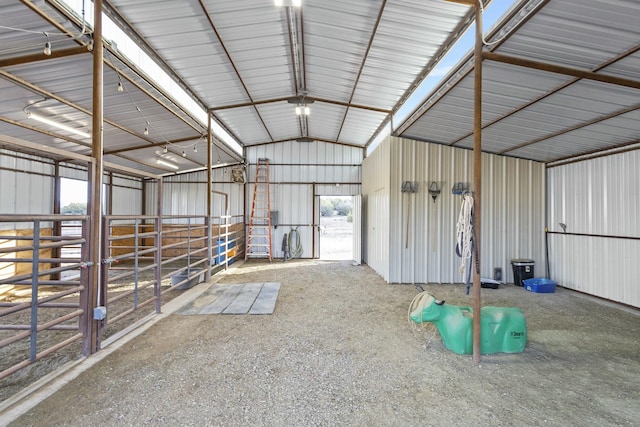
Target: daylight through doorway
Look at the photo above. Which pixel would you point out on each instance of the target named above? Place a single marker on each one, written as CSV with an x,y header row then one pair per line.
x,y
336,228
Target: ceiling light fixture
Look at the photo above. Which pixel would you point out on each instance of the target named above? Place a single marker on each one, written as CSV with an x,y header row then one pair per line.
x,y
120,87
50,122
195,148
184,153
301,102
47,48
167,164
146,130
302,109
296,3
165,149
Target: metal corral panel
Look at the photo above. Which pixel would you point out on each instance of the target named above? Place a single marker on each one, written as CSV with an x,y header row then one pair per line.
x,y
376,200
422,232
598,201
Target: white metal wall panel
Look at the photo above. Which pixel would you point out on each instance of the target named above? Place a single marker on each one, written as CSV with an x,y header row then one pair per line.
x,y
186,194
357,229
294,204
596,198
126,201
342,190
127,195
512,212
306,153
376,196
73,172
26,185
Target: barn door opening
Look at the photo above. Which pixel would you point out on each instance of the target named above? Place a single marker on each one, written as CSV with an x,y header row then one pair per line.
x,y
336,228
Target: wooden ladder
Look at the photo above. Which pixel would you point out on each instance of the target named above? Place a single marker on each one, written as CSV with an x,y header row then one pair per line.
x,y
259,236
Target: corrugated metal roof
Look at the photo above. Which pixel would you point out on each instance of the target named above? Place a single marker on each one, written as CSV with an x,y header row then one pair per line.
x,y
359,60
542,115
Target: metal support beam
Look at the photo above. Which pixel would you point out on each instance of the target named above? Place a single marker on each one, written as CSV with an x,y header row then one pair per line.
x,y
95,293
57,225
313,223
35,57
158,256
559,69
209,263
465,2
477,180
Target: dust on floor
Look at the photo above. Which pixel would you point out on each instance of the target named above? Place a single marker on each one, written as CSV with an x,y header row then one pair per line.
x,y
339,350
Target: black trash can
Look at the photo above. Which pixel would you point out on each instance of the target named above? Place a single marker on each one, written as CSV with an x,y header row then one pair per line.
x,y
522,270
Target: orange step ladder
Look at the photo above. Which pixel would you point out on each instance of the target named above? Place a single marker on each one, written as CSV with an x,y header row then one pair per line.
x,y
259,235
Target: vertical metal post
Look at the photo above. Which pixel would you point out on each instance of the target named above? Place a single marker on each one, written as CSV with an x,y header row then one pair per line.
x,y
91,344
188,247
57,225
35,266
110,195
209,262
313,222
158,258
136,262
103,295
477,180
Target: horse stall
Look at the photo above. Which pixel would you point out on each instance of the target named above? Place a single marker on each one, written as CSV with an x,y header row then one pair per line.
x,y
46,298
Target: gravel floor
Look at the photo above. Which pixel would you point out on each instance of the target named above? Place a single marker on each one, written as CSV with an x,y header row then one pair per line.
x,y
339,351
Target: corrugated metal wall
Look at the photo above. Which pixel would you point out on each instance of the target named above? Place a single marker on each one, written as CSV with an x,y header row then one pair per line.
x,y
187,194
376,194
512,211
357,229
127,195
598,199
298,172
26,184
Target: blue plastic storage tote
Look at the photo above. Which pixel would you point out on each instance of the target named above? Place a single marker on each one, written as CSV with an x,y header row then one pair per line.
x,y
540,285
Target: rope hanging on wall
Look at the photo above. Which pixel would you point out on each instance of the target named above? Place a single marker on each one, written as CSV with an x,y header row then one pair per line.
x,y
464,236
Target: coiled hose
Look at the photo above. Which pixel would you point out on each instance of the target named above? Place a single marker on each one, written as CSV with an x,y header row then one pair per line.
x,y
294,250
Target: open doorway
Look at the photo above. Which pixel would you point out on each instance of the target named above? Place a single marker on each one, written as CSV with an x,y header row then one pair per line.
x,y
73,201
336,227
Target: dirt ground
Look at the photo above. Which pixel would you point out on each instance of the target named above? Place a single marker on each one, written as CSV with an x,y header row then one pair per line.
x,y
339,351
